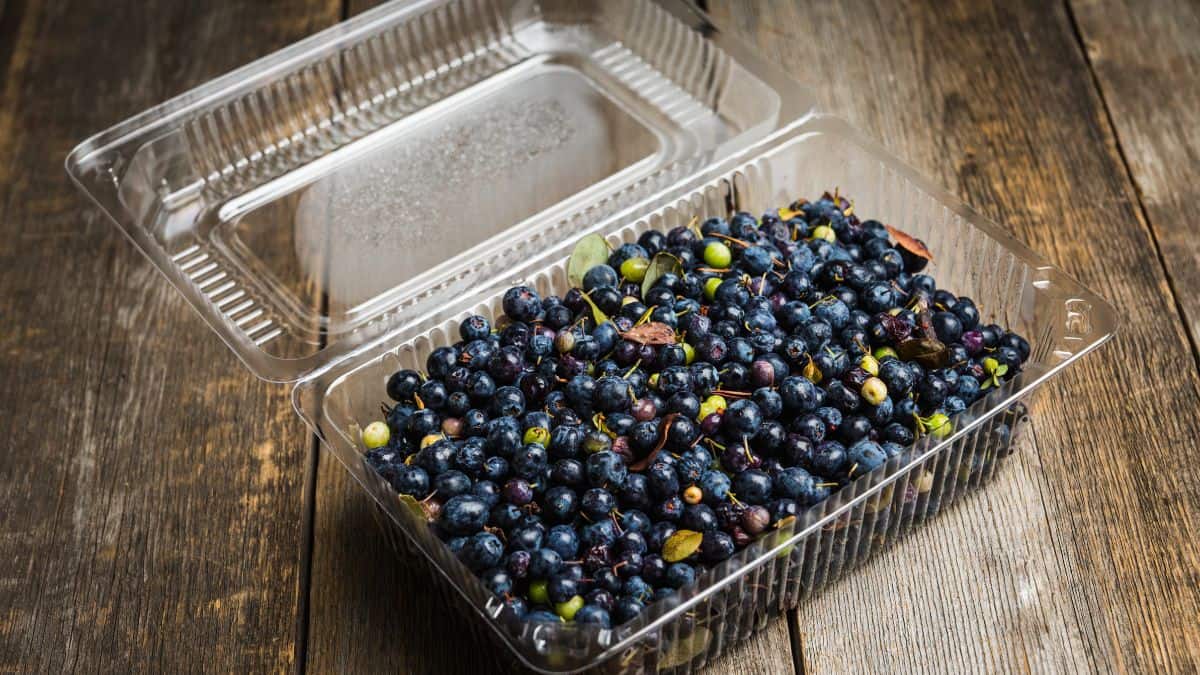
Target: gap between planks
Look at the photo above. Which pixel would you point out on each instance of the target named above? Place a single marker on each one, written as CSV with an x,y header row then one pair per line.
x,y
1127,167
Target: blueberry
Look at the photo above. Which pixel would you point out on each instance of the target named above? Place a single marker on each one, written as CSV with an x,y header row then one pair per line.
x,y
436,458
752,486
948,326
506,365
452,483
599,276
544,563
593,614
440,362
830,459
600,532
560,503
680,575
611,394
606,469
799,394
659,533
482,551
715,485
522,303
670,509
742,418
495,469
402,384
681,433
626,609
716,546
422,423
464,514
662,480
698,518
597,503
529,461
542,616
866,456
411,480
488,491
633,520
932,391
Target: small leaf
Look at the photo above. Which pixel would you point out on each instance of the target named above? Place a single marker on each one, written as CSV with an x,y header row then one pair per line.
x,y
1001,370
786,213
415,506
592,250
910,243
597,313
782,536
928,353
681,545
661,264
685,649
653,333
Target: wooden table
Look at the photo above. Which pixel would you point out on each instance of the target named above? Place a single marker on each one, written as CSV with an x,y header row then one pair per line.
x,y
161,509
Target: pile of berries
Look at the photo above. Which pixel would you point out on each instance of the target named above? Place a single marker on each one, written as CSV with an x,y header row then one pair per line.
x,y
593,453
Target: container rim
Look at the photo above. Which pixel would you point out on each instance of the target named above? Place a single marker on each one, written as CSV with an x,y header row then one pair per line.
x,y
1102,317
96,165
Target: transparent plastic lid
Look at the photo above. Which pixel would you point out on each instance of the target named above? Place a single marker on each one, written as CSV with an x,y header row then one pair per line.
x,y
313,200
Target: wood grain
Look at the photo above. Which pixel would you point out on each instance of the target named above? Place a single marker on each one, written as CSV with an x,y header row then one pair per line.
x,y
1146,58
149,486
1101,565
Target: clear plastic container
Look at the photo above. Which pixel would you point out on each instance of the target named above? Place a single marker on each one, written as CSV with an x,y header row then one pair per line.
x,y
335,209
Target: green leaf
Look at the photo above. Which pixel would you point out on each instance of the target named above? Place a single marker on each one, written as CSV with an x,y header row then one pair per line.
x,y
661,264
683,650
414,506
927,352
1001,370
681,545
597,313
781,535
592,250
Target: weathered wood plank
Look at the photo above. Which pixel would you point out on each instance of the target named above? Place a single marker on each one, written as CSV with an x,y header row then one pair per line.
x,y
1100,570
149,487
1146,58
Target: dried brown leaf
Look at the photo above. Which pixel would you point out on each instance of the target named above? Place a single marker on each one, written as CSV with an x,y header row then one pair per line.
x,y
652,333
910,243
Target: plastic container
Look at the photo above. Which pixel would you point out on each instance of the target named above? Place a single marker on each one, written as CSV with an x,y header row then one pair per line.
x,y
334,210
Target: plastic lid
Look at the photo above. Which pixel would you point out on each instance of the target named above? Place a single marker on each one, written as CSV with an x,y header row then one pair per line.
x,y
310,201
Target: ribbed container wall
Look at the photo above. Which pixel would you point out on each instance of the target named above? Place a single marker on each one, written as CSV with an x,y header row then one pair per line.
x,y
733,601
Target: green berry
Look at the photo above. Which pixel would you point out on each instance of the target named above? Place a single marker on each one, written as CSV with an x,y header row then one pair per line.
x,y
568,609
717,255
710,287
537,435
870,364
938,425
376,435
689,353
824,232
538,593
874,391
882,353
990,365
634,269
712,404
